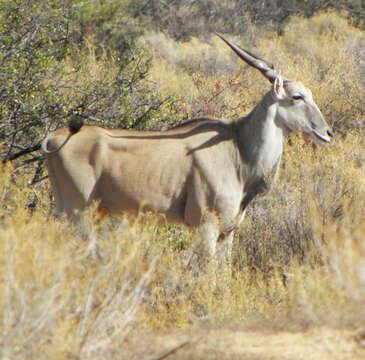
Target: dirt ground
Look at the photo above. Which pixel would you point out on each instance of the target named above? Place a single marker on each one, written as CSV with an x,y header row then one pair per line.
x,y
233,343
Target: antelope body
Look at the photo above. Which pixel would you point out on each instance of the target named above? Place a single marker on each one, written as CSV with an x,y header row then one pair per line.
x,y
194,174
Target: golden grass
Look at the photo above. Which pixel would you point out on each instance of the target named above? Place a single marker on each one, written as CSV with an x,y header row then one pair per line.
x,y
299,260
62,299
55,293
323,52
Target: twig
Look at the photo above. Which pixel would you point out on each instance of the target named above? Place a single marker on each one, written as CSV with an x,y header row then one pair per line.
x,y
221,91
172,351
39,180
11,157
66,86
98,313
152,107
36,158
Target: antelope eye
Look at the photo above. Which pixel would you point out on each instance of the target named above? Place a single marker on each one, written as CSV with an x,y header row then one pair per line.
x,y
297,97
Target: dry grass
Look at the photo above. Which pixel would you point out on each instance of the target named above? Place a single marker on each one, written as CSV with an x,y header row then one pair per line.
x,y
61,299
324,52
299,261
235,342
57,297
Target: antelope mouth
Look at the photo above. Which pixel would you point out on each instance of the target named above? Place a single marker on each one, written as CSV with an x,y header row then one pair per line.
x,y
323,139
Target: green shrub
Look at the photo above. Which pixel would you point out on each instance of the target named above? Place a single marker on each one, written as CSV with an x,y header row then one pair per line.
x,y
46,80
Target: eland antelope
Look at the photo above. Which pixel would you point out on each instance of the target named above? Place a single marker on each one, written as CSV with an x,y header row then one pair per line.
x,y
196,173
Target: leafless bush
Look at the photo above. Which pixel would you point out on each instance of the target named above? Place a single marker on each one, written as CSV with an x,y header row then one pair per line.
x,y
182,19
41,88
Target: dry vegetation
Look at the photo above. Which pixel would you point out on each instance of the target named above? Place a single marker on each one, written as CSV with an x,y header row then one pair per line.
x,y
299,260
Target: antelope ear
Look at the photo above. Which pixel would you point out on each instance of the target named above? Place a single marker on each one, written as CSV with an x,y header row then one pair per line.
x,y
278,88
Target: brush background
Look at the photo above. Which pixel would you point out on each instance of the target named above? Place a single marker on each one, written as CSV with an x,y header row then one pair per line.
x,y
297,285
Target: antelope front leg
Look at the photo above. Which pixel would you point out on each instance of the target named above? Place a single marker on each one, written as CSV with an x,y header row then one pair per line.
x,y
204,248
225,242
209,234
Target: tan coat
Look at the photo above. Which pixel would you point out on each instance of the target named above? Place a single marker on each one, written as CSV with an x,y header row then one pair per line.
x,y
195,174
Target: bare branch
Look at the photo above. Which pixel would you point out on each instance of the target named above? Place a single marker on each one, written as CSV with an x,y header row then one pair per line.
x,y
172,351
18,154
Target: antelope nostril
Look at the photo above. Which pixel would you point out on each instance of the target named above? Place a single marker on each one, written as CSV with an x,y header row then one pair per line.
x,y
330,133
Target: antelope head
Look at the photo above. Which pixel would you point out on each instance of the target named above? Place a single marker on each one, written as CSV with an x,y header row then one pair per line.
x,y
296,110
